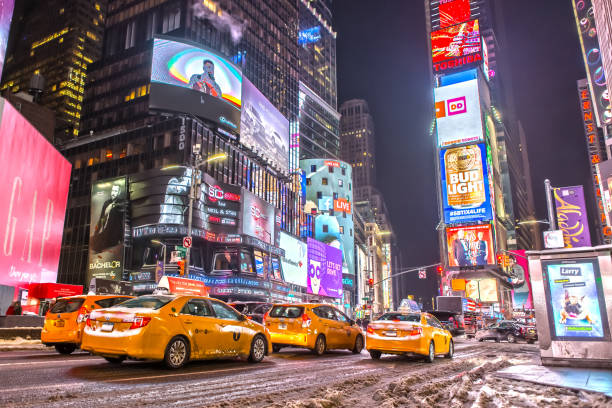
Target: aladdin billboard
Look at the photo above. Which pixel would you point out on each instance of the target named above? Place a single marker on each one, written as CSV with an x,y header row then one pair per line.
x,y
465,184
470,246
458,118
572,216
324,269
185,77
34,204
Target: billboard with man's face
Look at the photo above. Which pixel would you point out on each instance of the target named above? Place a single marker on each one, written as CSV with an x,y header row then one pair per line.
x,y
458,118
106,231
470,246
185,77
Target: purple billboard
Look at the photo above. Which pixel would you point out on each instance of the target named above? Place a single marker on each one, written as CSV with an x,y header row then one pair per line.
x,y
324,269
572,216
6,14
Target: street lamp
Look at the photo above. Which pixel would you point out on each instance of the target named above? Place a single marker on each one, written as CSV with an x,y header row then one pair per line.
x,y
154,241
195,182
527,222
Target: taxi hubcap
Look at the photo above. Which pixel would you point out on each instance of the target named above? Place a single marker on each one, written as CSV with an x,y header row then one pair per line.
x,y
359,344
177,352
320,345
259,348
431,352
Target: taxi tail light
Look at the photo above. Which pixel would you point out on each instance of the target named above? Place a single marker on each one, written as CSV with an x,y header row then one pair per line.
x,y
416,331
306,320
139,322
83,315
88,323
370,330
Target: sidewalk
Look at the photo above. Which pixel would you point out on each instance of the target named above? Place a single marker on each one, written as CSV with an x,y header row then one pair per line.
x,y
588,379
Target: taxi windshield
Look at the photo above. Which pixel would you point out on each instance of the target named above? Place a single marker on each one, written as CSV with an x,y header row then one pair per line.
x,y
401,317
146,302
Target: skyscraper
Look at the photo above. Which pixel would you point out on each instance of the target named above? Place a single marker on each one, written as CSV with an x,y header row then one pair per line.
x,y
58,40
602,9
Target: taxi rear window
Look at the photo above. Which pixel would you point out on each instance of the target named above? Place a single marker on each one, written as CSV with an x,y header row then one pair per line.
x,y
67,305
401,317
110,301
287,311
147,302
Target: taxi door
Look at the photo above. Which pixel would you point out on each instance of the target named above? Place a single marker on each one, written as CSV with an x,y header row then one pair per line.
x,y
229,326
346,333
326,323
199,323
439,337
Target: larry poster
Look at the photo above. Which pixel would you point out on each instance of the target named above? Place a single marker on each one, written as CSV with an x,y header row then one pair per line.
x,y
106,231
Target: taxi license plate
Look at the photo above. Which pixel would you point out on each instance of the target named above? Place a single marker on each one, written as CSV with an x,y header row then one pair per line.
x,y
282,326
390,333
107,327
59,323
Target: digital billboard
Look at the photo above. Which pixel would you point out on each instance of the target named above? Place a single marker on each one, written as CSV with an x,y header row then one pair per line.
x,y
575,299
572,216
470,246
519,278
604,171
36,178
454,12
187,78
465,184
457,41
257,217
484,290
324,269
109,203
458,117
264,128
295,260
6,15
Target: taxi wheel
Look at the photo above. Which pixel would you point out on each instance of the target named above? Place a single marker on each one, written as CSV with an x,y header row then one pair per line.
x,y
451,350
430,357
258,349
177,353
115,360
358,345
375,354
511,338
65,348
320,345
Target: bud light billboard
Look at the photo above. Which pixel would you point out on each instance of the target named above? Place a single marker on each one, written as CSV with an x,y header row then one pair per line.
x,y
465,184
324,269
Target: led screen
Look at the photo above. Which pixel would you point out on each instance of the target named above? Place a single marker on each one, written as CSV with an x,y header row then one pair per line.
x,y
190,79
484,290
324,269
257,217
575,299
456,41
458,118
520,280
465,184
264,128
453,12
295,267
6,15
36,178
470,246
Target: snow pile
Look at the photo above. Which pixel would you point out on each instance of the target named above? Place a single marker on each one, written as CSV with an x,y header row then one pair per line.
x,y
17,341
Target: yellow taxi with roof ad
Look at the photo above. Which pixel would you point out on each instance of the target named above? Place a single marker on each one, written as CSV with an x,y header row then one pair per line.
x,y
174,329
65,321
408,333
318,327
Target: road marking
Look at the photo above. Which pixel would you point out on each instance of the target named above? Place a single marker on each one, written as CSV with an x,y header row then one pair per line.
x,y
47,362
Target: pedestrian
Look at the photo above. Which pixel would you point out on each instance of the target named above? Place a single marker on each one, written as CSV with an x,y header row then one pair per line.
x,y
358,322
14,308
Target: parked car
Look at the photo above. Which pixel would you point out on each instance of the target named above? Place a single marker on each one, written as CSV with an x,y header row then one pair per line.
x,y
253,310
509,331
314,326
409,333
174,329
451,321
65,320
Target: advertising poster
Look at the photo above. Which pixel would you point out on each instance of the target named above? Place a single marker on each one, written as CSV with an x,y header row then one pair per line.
x,y
257,217
188,78
33,205
457,41
483,290
6,15
263,128
575,299
470,246
572,216
465,184
324,269
605,184
519,278
109,202
453,12
458,118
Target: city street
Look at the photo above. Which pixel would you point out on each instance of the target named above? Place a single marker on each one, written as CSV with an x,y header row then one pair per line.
x,y
292,377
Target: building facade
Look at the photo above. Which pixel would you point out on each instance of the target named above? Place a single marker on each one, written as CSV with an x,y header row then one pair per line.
x,y
319,127
602,10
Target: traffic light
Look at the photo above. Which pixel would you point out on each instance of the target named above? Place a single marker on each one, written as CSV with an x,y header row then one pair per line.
x,y
371,282
500,259
440,270
181,265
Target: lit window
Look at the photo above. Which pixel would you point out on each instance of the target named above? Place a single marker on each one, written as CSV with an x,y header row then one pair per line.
x,y
324,181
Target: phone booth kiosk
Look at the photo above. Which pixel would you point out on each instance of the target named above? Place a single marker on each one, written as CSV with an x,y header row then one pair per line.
x,y
572,292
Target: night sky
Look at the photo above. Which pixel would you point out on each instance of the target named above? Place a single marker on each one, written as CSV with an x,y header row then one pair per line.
x,y
382,58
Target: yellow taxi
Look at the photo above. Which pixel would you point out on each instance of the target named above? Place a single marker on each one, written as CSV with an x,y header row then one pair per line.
x,y
174,329
318,327
65,321
408,333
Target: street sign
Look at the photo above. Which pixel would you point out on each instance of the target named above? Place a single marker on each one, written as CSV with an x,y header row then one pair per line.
x,y
422,274
553,239
187,242
365,298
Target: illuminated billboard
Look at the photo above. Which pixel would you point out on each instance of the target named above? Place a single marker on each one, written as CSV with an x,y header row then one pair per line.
x,y
465,184
324,269
484,290
263,128
257,217
36,179
454,12
470,246
522,297
457,41
6,15
572,216
575,299
187,78
458,116
294,262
